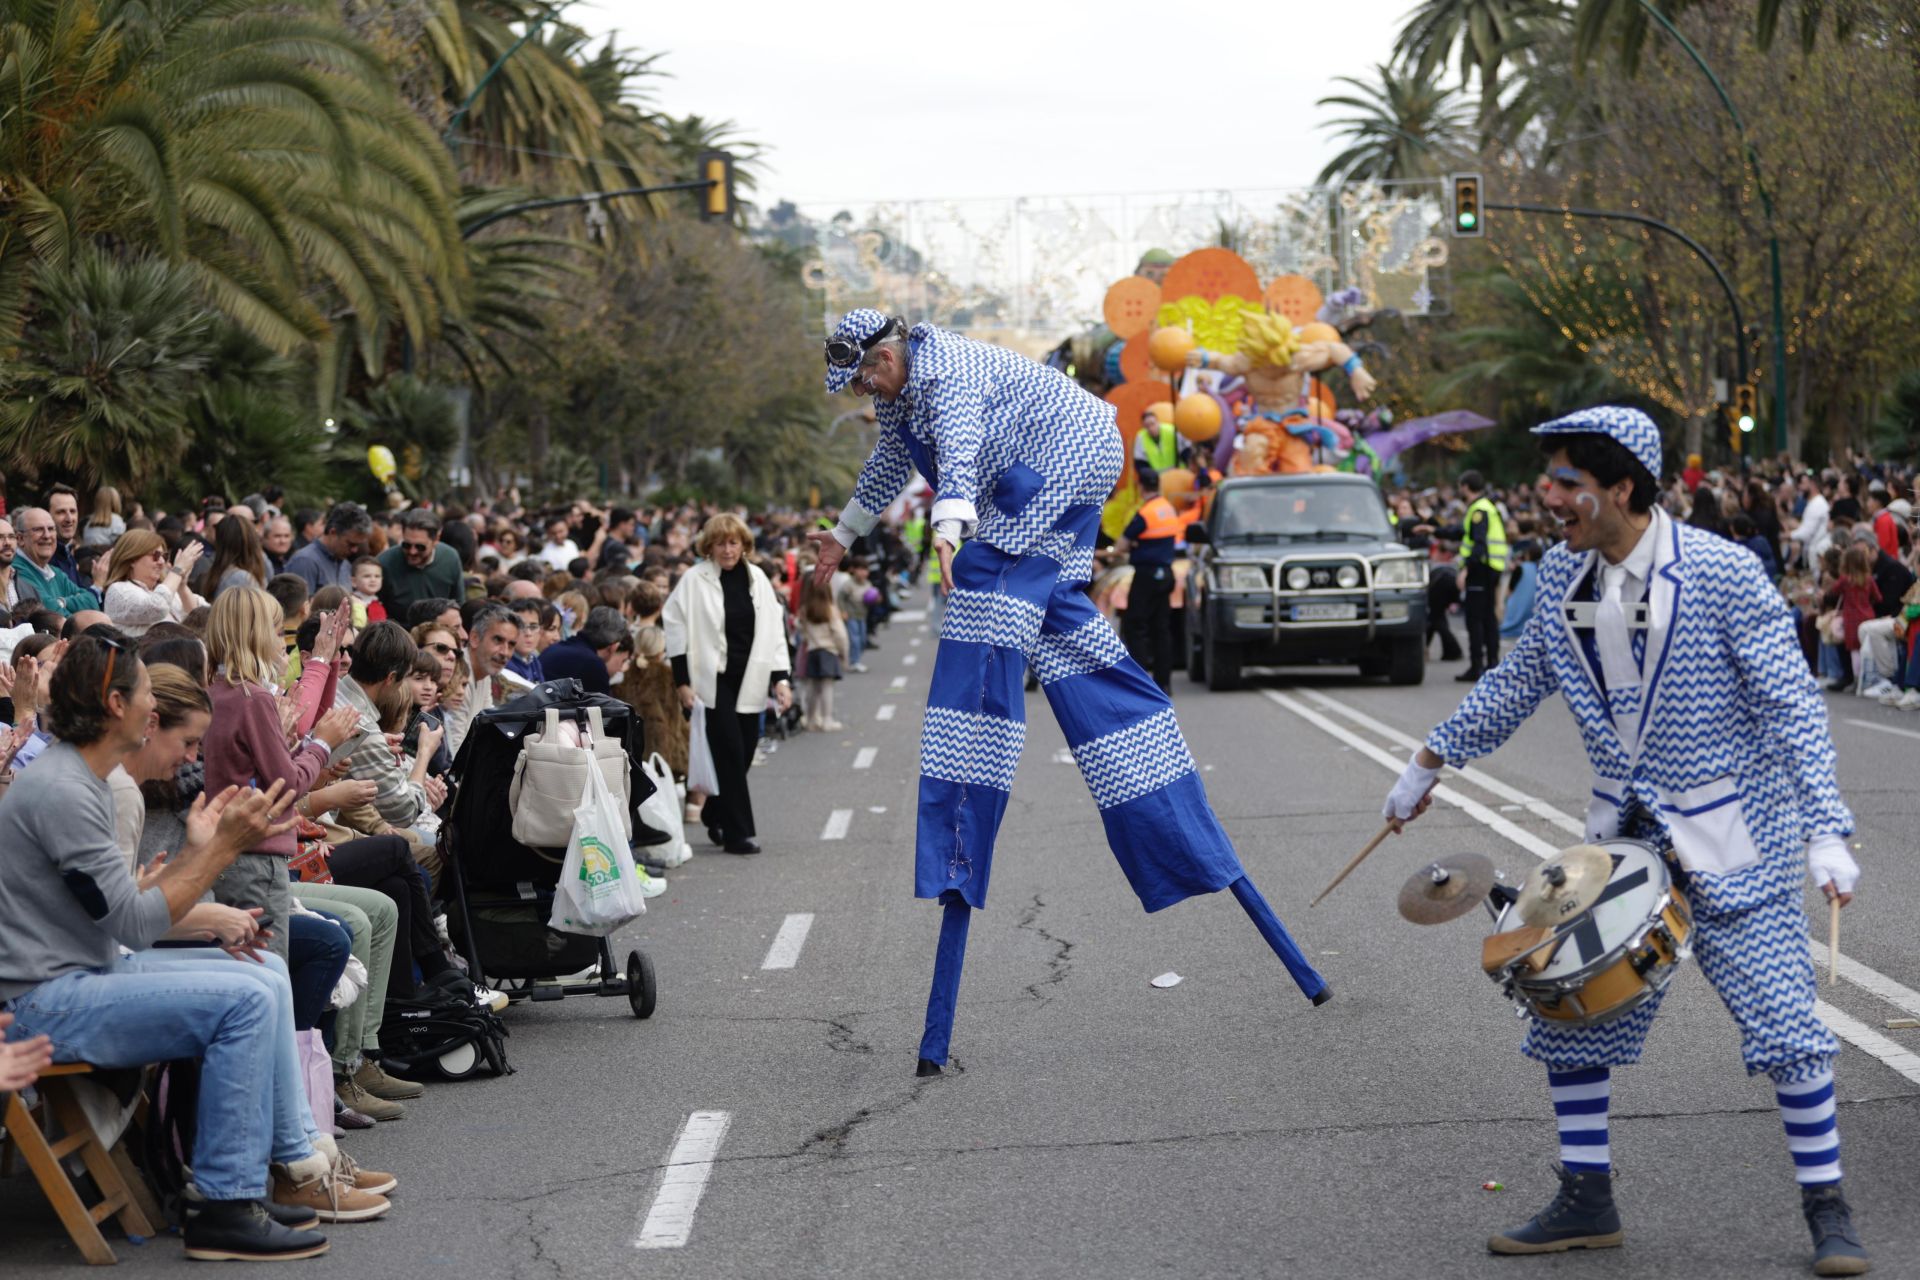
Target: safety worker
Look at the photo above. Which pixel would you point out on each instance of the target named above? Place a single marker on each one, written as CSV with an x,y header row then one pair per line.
x,y
1482,535
1150,541
1157,445
913,532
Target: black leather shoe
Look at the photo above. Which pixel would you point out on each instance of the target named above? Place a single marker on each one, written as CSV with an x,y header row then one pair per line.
x,y
741,846
243,1231
715,836
1469,675
299,1217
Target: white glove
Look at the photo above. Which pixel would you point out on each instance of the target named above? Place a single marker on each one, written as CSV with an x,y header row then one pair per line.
x,y
1829,862
1415,781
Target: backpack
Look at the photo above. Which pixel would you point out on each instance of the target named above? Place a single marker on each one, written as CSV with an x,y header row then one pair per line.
x,y
451,1040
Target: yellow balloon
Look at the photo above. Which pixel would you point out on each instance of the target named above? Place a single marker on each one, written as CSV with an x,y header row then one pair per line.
x,y
381,462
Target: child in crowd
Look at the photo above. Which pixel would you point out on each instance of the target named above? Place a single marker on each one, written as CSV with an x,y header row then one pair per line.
x,y
853,593
525,661
367,579
825,635
1854,594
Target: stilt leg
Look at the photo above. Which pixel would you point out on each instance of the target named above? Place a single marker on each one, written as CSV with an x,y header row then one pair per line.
x,y
957,915
1311,984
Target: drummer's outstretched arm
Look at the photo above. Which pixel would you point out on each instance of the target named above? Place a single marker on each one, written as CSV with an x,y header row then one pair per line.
x,y
1503,698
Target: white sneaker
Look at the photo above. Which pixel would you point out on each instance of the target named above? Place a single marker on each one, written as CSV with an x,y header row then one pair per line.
x,y
1890,694
1877,688
652,886
488,998
833,726
861,667
1909,701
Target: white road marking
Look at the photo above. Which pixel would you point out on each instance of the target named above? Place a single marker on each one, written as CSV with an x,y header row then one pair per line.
x,y
910,659
683,1181
1063,755
898,682
863,758
910,615
915,642
885,712
924,627
837,823
1883,728
1870,980
787,943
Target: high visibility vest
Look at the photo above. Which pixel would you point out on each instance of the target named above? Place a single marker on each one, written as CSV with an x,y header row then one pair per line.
x,y
1496,535
1162,520
914,533
1162,454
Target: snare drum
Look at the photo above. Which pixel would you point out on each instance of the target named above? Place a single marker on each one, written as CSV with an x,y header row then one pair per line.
x,y
1614,956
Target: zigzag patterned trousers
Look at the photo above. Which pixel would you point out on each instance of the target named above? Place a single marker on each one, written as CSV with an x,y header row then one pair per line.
x,y
1003,614
1757,960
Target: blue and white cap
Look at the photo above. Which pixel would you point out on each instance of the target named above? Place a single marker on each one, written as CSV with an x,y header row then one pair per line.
x,y
1630,427
858,327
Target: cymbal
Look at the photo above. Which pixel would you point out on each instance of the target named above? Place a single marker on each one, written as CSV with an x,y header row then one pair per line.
x,y
1563,886
1446,888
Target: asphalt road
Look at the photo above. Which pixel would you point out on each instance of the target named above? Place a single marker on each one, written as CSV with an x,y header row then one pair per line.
x,y
1099,1126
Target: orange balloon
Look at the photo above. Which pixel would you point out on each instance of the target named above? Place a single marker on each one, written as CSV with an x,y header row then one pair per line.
x,y
1176,482
1197,417
1162,411
1136,365
1295,297
1130,305
1318,331
1168,348
1210,274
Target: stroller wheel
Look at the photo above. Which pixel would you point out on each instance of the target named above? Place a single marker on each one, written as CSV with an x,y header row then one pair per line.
x,y
458,1064
642,993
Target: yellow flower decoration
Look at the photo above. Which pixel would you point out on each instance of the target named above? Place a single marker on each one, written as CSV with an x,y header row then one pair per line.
x,y
1216,326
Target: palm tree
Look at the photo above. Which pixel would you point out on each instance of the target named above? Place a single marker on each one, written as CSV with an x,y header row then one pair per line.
x,y
1407,125
257,145
1626,25
1480,33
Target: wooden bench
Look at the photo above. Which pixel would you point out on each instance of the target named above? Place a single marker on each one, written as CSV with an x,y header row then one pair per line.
x,y
126,1195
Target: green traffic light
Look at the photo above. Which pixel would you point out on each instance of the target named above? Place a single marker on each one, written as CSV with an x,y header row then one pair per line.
x,y
1746,422
1467,219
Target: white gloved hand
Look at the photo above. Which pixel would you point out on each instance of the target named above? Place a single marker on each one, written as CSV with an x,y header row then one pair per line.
x,y
1829,862
1416,780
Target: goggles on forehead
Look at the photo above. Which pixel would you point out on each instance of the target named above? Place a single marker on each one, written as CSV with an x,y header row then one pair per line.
x,y
846,353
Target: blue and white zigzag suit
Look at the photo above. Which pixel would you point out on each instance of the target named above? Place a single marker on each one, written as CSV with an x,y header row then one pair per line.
x,y
1726,760
1024,456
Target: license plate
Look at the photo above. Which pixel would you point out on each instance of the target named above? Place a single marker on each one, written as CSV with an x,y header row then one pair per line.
x,y
1345,612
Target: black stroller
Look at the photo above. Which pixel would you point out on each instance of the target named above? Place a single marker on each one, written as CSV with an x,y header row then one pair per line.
x,y
503,890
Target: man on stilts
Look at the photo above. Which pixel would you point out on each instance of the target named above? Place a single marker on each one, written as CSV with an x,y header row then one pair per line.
x,y
1021,459
1708,740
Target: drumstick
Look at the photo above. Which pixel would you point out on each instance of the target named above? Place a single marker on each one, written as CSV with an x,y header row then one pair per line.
x,y
1358,858
1833,937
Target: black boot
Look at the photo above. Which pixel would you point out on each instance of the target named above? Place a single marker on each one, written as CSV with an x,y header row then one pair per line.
x,y
242,1231
1582,1216
1469,675
1836,1246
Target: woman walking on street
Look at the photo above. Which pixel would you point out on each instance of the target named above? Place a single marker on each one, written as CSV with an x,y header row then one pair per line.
x,y
728,647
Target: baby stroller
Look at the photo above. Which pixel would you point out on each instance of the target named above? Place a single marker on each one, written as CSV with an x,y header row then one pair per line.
x,y
502,890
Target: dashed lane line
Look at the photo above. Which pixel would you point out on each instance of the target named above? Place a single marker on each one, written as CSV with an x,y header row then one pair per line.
x,y
864,757
910,615
1847,1028
837,823
669,1220
898,682
785,950
910,659
885,712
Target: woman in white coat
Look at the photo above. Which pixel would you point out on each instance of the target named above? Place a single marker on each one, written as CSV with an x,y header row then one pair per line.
x,y
726,638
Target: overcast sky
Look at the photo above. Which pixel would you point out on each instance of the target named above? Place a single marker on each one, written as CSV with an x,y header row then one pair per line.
x,y
916,101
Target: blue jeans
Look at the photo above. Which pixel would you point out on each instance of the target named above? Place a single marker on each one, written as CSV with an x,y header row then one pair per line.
x,y
856,640
317,951
192,1002
1910,669
1833,662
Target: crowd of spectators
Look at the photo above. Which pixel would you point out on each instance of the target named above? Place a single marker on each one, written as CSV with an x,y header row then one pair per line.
x,y
226,739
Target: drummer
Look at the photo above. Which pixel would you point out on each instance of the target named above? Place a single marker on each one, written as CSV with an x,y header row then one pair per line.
x,y
1709,741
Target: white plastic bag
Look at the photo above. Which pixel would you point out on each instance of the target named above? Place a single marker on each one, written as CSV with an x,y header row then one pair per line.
x,y
599,888
700,773
662,812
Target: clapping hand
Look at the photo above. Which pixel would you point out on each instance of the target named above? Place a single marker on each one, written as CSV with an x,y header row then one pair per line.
x,y
337,726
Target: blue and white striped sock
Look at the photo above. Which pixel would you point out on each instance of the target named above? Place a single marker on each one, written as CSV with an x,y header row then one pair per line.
x,y
1580,1107
1813,1131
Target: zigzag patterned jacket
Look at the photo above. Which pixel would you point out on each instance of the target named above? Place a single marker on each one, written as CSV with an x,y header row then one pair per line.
x,y
1000,438
1728,759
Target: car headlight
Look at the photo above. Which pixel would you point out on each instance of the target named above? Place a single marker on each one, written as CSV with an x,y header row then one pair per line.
x,y
1401,571
1298,579
1348,577
1239,577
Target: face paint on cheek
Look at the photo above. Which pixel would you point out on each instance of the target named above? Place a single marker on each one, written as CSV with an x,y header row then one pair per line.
x,y
1587,503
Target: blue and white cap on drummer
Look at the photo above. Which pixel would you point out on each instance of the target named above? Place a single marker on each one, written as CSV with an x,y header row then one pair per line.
x,y
1630,427
848,342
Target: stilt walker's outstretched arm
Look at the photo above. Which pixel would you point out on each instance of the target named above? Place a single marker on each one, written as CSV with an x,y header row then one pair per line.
x,y
955,918
1311,984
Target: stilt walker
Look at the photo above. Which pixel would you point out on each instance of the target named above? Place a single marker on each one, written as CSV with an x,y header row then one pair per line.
x,y
1021,459
1708,741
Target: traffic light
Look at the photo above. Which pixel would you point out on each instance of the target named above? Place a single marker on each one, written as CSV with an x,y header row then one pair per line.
x,y
1467,217
1745,406
716,202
